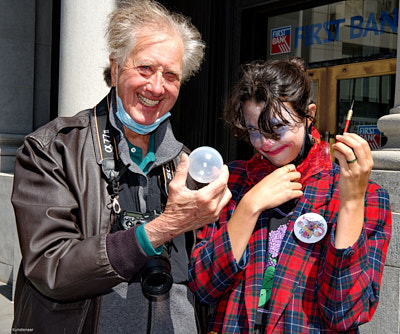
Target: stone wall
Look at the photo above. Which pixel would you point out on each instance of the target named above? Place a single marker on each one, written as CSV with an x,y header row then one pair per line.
x,y
9,246
387,316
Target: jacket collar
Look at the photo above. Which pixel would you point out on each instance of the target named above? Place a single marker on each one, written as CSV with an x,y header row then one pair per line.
x,y
166,146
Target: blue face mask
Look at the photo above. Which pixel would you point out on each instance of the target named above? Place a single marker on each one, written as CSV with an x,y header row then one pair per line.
x,y
135,127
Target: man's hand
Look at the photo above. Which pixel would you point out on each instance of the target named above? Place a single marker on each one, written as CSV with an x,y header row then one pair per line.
x,y
188,209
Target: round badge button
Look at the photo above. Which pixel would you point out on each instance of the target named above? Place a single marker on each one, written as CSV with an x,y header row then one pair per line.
x,y
310,227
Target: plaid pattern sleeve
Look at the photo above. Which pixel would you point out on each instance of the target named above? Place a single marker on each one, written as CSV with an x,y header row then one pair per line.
x,y
213,268
350,281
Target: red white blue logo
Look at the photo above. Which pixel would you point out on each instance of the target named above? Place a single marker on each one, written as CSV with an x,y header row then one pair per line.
x,y
280,40
371,134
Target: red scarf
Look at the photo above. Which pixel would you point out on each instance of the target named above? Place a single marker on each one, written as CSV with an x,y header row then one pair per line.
x,y
317,159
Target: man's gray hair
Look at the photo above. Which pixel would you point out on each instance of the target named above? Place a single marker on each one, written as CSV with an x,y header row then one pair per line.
x,y
126,25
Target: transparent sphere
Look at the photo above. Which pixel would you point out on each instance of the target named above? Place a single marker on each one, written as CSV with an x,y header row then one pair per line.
x,y
205,164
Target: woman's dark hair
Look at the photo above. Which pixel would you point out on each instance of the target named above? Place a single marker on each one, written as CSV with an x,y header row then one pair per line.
x,y
272,82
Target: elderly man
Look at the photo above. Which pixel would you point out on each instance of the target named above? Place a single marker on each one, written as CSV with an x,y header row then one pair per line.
x,y
101,201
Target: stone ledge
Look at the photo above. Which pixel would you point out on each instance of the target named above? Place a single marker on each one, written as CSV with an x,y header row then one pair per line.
x,y
393,253
9,144
387,159
390,180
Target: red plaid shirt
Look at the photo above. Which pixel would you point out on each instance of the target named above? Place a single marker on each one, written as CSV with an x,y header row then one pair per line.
x,y
317,288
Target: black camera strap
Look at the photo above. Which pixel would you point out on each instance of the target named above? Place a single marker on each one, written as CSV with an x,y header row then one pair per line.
x,y
108,154
110,160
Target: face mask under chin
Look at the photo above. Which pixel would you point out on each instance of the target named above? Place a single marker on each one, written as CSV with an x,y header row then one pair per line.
x,y
136,127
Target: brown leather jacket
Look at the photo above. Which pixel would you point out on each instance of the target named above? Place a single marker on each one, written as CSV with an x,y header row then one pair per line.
x,y
61,206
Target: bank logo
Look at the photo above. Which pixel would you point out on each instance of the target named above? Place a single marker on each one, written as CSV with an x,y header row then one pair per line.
x,y
280,40
371,134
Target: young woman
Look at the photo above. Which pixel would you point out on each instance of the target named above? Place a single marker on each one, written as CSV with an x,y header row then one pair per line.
x,y
301,246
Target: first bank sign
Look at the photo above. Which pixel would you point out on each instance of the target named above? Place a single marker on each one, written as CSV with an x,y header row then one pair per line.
x,y
329,31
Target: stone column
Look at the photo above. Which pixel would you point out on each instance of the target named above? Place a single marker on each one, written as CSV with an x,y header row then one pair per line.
x,y
387,174
83,54
388,158
17,45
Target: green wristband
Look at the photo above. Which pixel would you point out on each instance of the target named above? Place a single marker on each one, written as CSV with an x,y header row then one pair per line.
x,y
145,243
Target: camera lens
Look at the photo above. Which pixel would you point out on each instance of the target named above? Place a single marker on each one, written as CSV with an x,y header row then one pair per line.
x,y
156,279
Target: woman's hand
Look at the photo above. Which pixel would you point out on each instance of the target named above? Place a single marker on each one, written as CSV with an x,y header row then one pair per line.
x,y
355,159
273,190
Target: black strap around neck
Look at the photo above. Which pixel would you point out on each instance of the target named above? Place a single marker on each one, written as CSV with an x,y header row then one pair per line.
x,y
108,151
109,155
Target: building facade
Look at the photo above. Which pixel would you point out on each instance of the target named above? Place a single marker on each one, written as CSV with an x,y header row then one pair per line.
x,y
53,54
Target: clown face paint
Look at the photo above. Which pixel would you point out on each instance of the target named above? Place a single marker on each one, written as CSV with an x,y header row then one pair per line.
x,y
283,150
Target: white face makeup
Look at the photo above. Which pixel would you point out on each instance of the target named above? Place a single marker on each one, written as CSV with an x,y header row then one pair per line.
x,y
283,150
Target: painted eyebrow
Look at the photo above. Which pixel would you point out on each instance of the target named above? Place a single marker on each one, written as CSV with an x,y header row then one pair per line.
x,y
275,121
249,125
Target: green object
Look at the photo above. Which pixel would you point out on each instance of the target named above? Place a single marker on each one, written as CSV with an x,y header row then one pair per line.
x,y
266,288
136,155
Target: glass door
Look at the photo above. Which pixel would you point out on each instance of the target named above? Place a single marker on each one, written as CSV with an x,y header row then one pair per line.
x,y
369,84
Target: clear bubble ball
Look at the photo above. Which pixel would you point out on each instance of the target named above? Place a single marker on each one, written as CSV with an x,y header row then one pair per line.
x,y
205,164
